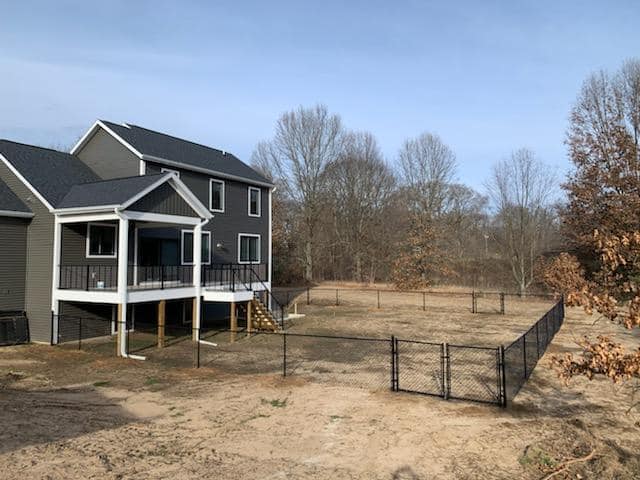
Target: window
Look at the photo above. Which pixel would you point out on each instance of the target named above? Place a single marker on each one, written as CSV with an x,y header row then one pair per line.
x,y
164,170
248,248
254,202
101,240
216,195
187,247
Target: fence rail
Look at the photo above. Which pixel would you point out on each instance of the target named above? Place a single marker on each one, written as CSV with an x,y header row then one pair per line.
x,y
479,301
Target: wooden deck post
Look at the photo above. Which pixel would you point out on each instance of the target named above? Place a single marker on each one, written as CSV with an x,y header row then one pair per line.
x,y
249,319
194,320
119,330
162,304
233,321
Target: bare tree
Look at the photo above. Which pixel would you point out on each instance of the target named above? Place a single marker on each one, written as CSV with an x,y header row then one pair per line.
x,y
305,142
361,184
427,166
521,189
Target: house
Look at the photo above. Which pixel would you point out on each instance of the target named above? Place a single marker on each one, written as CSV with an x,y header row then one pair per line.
x,y
131,223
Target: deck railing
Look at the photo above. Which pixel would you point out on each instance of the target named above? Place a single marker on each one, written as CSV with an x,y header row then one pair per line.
x,y
233,276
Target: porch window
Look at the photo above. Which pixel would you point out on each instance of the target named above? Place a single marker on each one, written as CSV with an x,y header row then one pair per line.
x,y
187,247
216,195
249,248
254,202
101,240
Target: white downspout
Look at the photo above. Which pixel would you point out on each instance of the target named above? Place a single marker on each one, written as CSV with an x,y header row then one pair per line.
x,y
197,271
123,261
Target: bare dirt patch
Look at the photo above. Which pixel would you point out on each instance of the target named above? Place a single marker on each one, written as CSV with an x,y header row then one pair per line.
x,y
68,414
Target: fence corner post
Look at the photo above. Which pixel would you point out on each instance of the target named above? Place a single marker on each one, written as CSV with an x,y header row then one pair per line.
x,y
501,303
394,353
446,371
503,377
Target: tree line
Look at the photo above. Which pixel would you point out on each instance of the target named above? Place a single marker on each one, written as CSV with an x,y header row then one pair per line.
x,y
341,211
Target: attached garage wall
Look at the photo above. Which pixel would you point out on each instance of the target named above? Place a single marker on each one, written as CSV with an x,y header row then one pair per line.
x,y
13,263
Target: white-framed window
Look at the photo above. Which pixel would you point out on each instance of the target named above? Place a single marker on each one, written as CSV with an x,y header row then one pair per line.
x,y
248,248
254,202
216,195
102,240
164,170
187,247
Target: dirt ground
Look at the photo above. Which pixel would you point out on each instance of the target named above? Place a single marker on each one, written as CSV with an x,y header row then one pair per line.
x,y
82,414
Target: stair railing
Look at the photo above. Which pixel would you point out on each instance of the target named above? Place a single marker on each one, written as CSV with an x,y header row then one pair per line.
x,y
270,296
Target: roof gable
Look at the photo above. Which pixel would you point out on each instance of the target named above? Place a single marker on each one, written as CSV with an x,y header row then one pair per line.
x,y
50,172
159,146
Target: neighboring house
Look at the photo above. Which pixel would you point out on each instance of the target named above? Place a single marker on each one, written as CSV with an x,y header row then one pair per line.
x,y
132,225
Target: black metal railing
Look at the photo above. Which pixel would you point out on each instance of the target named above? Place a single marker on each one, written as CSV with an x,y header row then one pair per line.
x,y
139,277
233,276
159,277
88,277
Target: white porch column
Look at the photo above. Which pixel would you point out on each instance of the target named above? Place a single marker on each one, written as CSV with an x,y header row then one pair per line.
x,y
55,284
197,278
123,256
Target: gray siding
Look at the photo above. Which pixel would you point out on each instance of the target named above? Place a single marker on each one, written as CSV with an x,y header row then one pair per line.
x,y
226,226
108,157
73,248
166,200
13,262
39,268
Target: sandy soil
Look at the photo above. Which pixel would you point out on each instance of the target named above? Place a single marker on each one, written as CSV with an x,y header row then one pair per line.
x,y
68,414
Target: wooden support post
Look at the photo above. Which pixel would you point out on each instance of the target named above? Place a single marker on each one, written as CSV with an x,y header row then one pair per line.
x,y
120,330
162,308
249,319
233,320
195,328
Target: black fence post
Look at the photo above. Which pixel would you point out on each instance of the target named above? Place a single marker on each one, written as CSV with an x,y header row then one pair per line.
x,y
424,301
80,333
524,354
393,363
162,277
503,378
284,354
537,340
87,277
52,322
308,297
337,301
446,371
196,335
502,303
378,299
473,302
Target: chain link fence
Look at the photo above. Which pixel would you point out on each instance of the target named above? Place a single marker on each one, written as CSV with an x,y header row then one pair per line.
x,y
465,372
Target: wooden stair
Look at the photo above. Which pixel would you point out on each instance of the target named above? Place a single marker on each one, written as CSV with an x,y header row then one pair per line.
x,y
261,317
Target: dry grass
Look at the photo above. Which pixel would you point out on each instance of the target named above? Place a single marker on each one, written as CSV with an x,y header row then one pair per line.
x,y
68,414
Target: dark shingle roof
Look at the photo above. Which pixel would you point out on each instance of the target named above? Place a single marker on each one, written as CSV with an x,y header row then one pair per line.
x,y
107,192
156,144
9,201
50,172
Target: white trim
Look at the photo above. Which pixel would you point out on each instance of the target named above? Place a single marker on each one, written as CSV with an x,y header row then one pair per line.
x,y
160,218
213,173
88,240
255,235
140,296
270,253
26,183
135,254
92,296
98,217
222,197
76,210
169,170
142,168
204,233
249,190
13,213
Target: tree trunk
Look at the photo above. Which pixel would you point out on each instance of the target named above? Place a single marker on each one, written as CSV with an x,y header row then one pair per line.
x,y
308,262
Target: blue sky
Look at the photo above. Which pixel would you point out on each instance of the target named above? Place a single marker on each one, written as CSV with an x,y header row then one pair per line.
x,y
488,77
